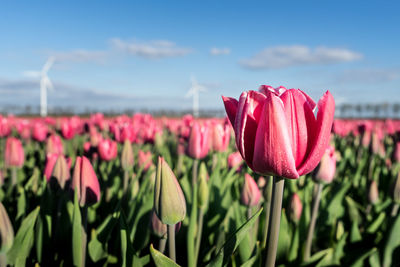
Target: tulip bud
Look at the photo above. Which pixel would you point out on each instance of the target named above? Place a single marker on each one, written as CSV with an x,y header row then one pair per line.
x,y
107,149
6,230
50,162
203,187
84,181
235,160
61,171
373,195
396,191
325,171
54,145
158,228
220,136
127,159
39,132
198,145
14,153
296,207
145,160
169,201
250,192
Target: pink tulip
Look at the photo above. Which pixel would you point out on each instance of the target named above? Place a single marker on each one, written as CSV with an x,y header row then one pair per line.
x,y
24,129
54,145
326,169
39,132
107,150
67,129
250,193
84,181
144,160
14,153
220,136
276,130
198,144
5,127
235,160
296,207
50,162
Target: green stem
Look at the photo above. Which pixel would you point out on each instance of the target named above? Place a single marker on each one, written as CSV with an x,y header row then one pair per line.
x,y
14,177
194,172
171,242
307,251
198,235
267,208
161,245
126,180
274,222
84,234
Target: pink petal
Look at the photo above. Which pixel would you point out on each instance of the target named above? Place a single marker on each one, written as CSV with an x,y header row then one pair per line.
x,y
231,106
89,182
322,129
272,149
246,121
300,121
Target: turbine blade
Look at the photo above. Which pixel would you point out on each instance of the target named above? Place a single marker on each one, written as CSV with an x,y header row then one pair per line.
x,y
48,64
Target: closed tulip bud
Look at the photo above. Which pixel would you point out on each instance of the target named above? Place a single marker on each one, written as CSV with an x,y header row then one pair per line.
x,y
50,162
325,172
61,171
277,132
396,191
39,132
235,160
250,192
127,159
203,187
107,149
198,144
220,136
6,230
54,145
158,228
145,159
169,201
396,154
296,207
14,153
84,181
373,195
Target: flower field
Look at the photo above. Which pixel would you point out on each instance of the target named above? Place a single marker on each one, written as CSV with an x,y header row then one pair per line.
x,y
144,191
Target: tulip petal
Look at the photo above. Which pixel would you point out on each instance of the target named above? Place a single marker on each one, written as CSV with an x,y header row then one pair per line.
x,y
231,106
246,122
300,121
323,126
272,149
89,183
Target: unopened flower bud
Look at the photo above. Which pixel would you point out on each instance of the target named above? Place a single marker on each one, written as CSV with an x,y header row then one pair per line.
x,y
169,201
14,153
6,230
296,207
203,187
84,180
373,195
250,192
326,169
61,171
158,228
127,159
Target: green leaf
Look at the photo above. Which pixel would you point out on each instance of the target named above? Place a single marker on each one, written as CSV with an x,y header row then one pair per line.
x,y
392,243
285,237
23,241
160,259
375,225
359,262
233,242
126,245
95,248
77,235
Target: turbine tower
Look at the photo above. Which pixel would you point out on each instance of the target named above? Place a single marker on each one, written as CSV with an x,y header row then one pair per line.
x,y
194,92
45,84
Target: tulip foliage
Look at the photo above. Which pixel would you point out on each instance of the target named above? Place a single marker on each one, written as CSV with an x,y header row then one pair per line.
x,y
103,191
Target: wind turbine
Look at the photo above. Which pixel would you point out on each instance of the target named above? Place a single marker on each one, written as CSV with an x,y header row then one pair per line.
x,y
194,92
45,83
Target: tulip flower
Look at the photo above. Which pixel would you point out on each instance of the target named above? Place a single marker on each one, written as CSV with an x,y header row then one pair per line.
x,y
14,153
54,145
144,160
296,207
107,149
235,160
6,230
373,195
50,162
67,129
250,193
276,130
127,159
198,144
158,228
39,132
326,169
85,182
220,136
5,127
61,171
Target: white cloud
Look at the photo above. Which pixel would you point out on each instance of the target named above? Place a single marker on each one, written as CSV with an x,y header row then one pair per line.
x,y
153,49
287,56
220,51
368,76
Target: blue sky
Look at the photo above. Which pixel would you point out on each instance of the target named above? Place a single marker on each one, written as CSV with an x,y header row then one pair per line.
x,y
120,54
